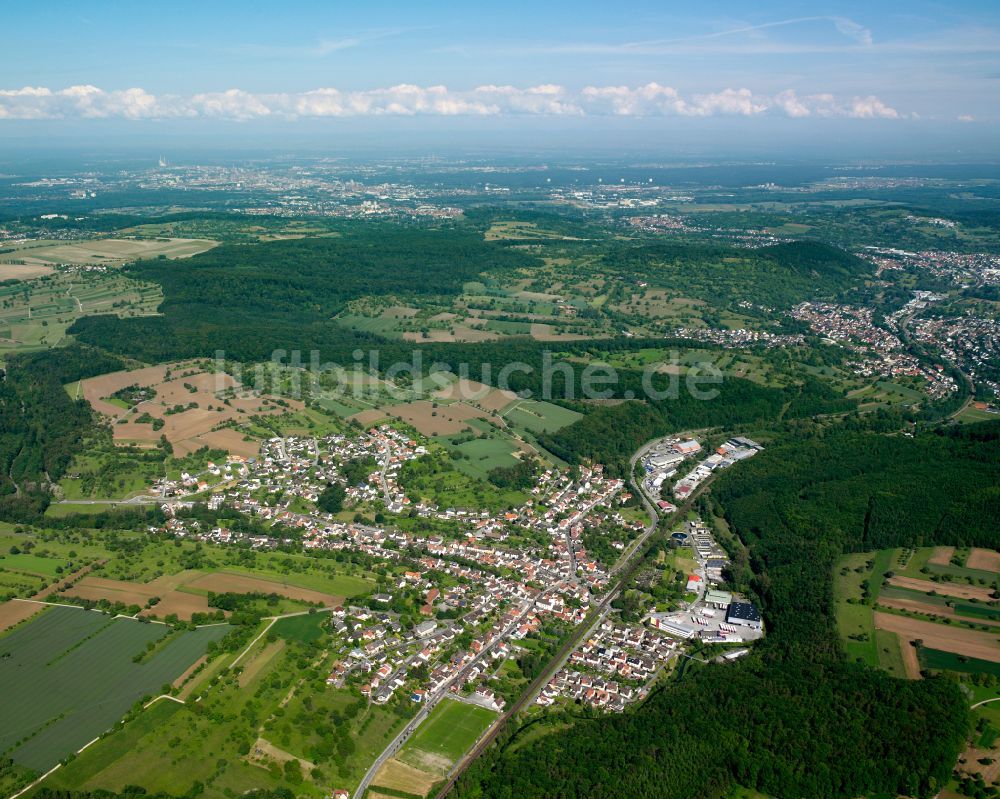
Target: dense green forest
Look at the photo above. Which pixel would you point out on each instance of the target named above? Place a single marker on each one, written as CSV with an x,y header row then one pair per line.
x,y
252,299
41,426
795,718
610,434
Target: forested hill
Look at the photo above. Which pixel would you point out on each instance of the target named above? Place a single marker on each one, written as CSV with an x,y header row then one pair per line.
x,y
41,426
778,276
794,719
844,491
252,299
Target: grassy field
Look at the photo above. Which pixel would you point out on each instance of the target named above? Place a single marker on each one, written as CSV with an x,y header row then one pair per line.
x,y
479,456
309,627
32,564
935,659
448,733
305,572
890,657
972,414
69,675
853,611
143,560
539,417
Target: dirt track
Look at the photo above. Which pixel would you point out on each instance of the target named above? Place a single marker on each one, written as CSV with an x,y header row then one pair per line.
x,y
403,777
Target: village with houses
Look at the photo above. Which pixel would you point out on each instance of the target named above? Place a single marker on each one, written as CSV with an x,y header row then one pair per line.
x,y
482,595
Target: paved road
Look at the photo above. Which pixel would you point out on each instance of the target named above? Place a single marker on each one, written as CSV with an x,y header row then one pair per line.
x,y
654,516
913,349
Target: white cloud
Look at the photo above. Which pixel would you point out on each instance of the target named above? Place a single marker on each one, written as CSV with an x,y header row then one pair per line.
x,y
966,118
870,107
545,99
649,100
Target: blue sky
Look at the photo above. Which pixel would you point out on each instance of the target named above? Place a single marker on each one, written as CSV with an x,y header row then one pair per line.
x,y
909,63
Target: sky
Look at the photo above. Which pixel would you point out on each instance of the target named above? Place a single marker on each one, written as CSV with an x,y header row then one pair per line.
x,y
719,72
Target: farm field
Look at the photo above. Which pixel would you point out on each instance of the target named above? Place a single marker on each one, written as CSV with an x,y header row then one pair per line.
x,y
101,252
132,568
871,633
857,582
32,564
186,594
307,627
491,310
948,589
985,559
221,582
445,419
535,416
306,573
184,402
891,656
960,641
14,612
169,565
935,660
480,455
69,675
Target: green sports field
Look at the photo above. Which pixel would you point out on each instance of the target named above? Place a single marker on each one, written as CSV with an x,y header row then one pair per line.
x,y
68,676
449,732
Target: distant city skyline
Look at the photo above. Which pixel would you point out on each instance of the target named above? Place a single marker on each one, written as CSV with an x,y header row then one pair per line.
x,y
916,69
